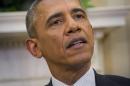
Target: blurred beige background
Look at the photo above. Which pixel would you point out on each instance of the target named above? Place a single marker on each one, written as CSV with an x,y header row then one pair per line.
x,y
116,42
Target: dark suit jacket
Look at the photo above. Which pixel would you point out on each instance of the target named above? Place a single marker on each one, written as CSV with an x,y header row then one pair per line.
x,y
108,80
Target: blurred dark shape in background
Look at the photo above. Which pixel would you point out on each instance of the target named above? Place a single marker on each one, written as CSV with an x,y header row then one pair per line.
x,y
23,5
14,5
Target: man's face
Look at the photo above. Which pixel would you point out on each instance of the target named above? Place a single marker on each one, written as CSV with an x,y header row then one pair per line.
x,y
64,34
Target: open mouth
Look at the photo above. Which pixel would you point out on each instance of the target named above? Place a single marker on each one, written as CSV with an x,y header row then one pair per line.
x,y
76,42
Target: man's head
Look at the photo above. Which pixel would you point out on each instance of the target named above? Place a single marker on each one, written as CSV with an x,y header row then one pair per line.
x,y
60,31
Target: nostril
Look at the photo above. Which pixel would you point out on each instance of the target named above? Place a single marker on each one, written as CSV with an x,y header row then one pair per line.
x,y
78,29
70,31
74,30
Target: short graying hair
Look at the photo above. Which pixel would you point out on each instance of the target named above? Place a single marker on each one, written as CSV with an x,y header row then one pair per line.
x,y
30,19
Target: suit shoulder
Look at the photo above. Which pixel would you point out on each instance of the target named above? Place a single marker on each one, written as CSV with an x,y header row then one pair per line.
x,y
114,77
122,81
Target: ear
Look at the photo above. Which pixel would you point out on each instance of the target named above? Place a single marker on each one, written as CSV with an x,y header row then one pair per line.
x,y
32,46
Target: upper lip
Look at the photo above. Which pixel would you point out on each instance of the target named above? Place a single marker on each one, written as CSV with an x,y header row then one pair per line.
x,y
76,41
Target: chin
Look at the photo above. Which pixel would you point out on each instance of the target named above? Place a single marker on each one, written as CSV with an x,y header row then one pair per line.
x,y
80,60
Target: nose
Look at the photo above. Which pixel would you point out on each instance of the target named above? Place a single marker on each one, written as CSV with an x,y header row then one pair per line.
x,y
72,27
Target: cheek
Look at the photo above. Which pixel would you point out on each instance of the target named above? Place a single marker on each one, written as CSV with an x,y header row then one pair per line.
x,y
51,42
52,45
87,29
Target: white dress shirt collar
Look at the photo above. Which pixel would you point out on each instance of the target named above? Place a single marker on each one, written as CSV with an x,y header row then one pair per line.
x,y
88,79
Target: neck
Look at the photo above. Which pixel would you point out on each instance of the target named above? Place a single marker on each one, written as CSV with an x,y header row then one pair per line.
x,y
69,75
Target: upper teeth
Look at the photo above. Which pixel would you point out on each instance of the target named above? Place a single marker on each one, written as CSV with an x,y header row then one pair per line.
x,y
77,42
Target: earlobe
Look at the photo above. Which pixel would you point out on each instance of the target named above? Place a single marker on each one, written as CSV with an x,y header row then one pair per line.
x,y
33,48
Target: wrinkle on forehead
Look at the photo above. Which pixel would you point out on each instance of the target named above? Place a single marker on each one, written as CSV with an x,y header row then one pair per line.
x,y
45,5
55,2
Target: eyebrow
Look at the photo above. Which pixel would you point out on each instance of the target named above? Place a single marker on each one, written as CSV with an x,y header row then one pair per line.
x,y
60,13
78,10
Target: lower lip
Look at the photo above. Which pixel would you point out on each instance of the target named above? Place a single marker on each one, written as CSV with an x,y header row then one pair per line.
x,y
77,46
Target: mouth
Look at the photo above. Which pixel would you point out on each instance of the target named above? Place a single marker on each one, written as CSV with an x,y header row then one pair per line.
x,y
77,42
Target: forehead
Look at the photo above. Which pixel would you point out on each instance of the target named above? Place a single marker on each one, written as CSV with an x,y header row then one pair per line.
x,y
48,7
53,3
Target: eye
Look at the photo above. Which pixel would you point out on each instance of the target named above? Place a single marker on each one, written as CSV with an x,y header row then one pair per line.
x,y
57,21
79,16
